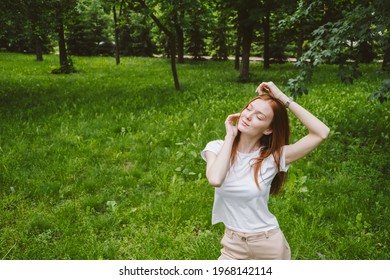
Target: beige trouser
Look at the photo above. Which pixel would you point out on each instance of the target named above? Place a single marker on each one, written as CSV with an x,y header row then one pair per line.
x,y
268,245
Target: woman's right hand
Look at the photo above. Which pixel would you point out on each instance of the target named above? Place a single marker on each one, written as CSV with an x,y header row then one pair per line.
x,y
231,127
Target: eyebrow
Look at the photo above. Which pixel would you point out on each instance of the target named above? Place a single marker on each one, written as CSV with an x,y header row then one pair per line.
x,y
256,111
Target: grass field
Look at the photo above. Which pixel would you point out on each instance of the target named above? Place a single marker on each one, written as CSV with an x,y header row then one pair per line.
x,y
105,163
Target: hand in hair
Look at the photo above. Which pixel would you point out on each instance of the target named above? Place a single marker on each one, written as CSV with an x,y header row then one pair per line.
x,y
271,89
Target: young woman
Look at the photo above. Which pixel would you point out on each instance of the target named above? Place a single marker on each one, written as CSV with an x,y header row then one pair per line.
x,y
249,164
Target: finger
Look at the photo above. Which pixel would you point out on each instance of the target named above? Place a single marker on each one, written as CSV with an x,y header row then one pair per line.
x,y
259,89
263,87
230,119
234,116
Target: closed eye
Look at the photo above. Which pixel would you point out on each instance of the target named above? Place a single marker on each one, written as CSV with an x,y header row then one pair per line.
x,y
260,116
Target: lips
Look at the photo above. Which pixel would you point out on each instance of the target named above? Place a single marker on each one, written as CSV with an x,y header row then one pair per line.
x,y
244,123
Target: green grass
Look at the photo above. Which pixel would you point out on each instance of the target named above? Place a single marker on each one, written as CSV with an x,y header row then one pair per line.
x,y
105,163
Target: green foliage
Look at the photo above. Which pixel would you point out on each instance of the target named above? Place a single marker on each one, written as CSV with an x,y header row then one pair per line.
x,y
105,163
340,42
296,86
136,36
198,25
89,32
382,93
349,72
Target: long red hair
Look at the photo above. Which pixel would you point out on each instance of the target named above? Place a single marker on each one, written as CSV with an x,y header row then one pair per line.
x,y
271,144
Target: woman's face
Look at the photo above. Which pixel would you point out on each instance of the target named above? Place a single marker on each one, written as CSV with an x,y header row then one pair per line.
x,y
256,118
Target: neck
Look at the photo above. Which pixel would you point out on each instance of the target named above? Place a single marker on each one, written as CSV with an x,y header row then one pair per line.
x,y
248,145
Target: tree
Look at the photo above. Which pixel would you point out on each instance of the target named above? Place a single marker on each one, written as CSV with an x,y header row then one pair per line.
x,y
40,24
221,30
171,39
61,10
135,27
247,17
340,41
14,24
89,32
382,28
116,28
179,22
266,31
299,20
26,27
198,26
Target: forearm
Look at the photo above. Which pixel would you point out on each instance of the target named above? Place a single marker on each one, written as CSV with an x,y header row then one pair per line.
x,y
218,167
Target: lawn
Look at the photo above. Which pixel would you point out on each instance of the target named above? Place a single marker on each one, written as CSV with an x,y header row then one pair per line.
x,y
105,163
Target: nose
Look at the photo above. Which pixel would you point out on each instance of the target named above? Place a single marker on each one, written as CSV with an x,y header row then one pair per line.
x,y
248,115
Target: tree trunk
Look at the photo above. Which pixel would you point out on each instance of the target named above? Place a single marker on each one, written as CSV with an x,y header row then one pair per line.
x,y
266,30
246,49
171,43
116,29
172,47
180,44
38,48
366,52
61,45
237,52
180,39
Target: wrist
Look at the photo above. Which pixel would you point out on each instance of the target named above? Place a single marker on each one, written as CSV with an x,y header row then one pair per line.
x,y
229,137
283,98
288,102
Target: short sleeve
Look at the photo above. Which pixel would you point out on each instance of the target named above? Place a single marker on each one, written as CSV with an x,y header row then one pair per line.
x,y
283,166
213,146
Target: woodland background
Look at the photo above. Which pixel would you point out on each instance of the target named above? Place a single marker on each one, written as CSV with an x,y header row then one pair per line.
x,y
106,105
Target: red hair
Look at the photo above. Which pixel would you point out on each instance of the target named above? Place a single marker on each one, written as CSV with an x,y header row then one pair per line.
x,y
271,144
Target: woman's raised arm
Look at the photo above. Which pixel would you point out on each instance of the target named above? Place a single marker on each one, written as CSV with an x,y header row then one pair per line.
x,y
318,131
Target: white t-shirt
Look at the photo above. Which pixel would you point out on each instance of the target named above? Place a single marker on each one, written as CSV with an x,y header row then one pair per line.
x,y
238,202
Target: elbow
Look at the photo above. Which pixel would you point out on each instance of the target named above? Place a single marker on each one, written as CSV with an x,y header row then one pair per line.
x,y
325,133
321,135
215,182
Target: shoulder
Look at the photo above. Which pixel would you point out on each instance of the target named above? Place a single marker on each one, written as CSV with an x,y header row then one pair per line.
x,y
276,159
283,166
212,146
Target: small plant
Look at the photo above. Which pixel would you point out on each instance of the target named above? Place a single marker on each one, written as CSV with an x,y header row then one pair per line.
x,y
295,86
349,72
382,93
67,68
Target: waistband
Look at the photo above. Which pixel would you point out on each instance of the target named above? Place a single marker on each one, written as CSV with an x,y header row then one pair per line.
x,y
251,236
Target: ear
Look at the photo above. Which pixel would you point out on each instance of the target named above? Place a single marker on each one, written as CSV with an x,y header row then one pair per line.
x,y
268,131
